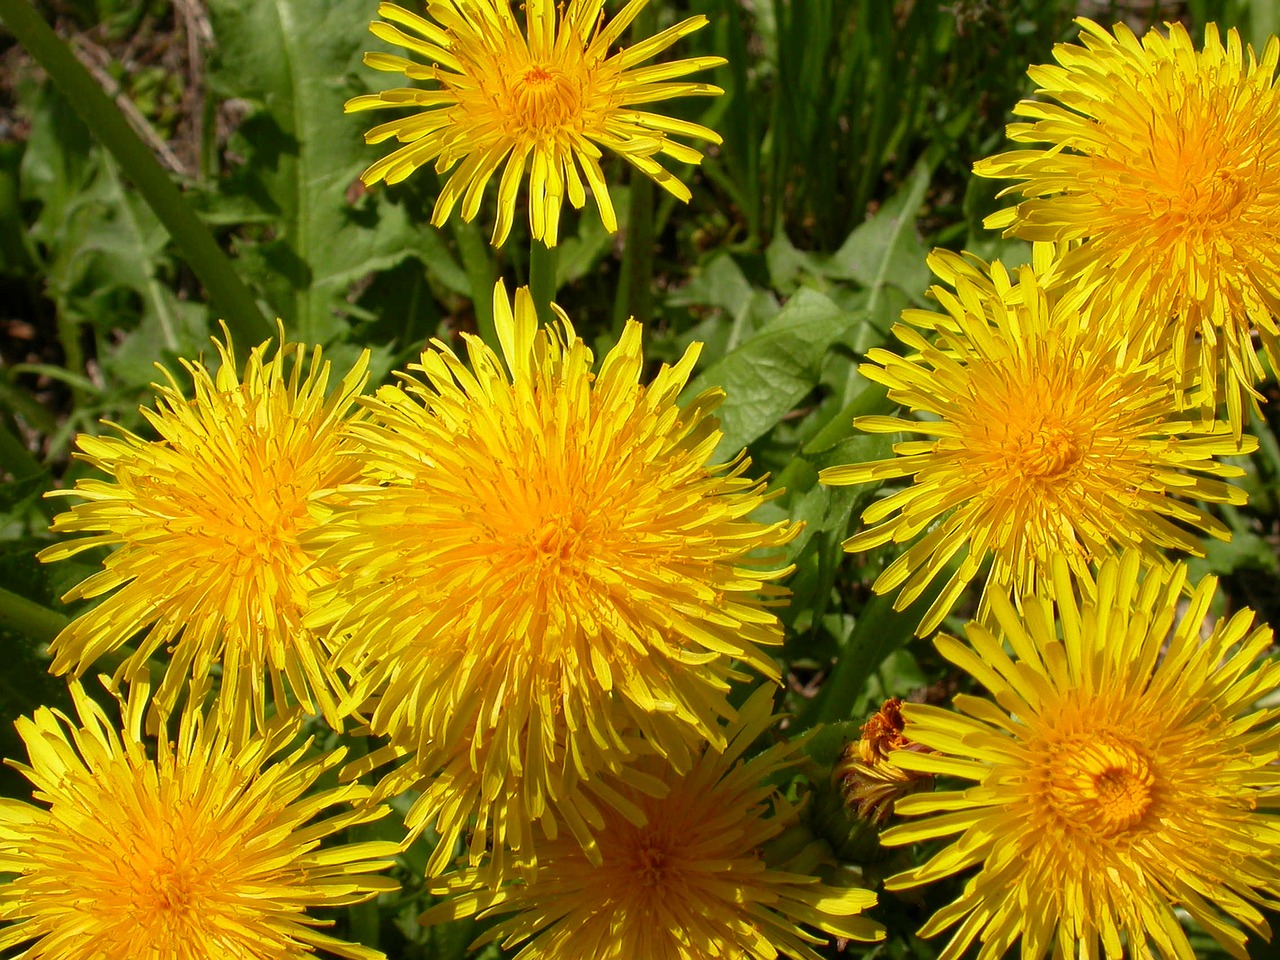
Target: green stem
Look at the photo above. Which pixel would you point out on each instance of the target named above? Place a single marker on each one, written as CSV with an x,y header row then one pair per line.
x,y
103,117
637,254
28,618
542,277
481,275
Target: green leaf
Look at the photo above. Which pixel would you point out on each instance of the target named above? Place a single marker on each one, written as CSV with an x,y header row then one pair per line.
x,y
773,370
722,284
298,62
106,253
886,251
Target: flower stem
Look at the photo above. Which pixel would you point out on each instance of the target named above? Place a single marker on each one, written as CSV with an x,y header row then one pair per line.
x,y
637,256
108,124
633,298
481,276
542,277
29,618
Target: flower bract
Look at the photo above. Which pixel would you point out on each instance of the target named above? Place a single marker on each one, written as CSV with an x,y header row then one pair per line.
x,y
546,98
209,848
1119,774
542,565
710,874
205,521
1162,165
1041,437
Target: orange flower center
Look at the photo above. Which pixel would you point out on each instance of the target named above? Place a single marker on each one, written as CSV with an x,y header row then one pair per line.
x,y
557,543
1028,424
1042,447
171,890
544,100
1100,783
1199,184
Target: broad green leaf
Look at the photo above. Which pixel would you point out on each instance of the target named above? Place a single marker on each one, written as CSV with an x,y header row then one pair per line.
x,y
886,251
773,370
297,62
722,284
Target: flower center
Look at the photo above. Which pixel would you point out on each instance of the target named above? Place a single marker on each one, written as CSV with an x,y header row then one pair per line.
x,y
1042,448
651,859
1100,783
171,889
544,100
557,541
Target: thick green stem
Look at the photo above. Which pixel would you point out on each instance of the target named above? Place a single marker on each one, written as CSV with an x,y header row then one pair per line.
x,y
24,616
637,256
542,277
633,298
481,275
197,246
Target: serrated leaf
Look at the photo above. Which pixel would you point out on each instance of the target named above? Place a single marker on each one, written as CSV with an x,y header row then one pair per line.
x,y
298,62
773,370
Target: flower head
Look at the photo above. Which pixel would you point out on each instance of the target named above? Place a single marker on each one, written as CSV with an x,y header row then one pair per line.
x,y
870,783
1121,773
1163,163
708,875
542,565
1045,439
207,520
546,98
210,849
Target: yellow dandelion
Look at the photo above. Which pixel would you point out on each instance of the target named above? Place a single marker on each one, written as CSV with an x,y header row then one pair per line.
x,y
712,873
1164,165
547,98
1042,439
209,849
1125,776
206,520
547,566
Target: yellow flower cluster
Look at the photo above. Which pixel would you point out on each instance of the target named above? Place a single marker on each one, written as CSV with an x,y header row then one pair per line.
x,y
520,574
1121,774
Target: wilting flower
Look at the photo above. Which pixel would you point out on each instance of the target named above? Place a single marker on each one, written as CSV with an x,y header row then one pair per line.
x,y
542,565
546,99
709,874
207,520
1043,439
1163,163
1121,776
211,849
869,782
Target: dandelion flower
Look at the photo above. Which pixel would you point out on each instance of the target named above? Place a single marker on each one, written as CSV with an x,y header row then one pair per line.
x,y
711,874
211,849
1119,776
544,565
547,98
1163,163
207,520
1042,440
